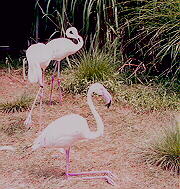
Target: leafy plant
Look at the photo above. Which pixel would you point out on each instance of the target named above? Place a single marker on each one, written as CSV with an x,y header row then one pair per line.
x,y
20,104
95,66
165,151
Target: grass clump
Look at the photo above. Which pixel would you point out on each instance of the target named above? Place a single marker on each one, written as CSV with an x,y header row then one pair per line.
x,y
22,103
100,67
92,67
165,151
141,97
14,126
96,66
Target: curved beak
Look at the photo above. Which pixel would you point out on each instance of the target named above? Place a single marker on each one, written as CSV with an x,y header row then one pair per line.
x,y
108,98
78,39
108,104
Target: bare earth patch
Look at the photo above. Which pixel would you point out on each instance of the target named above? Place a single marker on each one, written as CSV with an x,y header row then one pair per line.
x,y
126,131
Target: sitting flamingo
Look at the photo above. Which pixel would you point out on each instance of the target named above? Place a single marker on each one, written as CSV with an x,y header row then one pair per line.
x,y
65,131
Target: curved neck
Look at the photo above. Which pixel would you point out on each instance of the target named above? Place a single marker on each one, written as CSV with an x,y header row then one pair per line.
x,y
99,122
79,44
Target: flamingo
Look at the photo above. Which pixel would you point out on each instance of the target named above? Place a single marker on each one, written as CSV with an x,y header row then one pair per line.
x,y
62,48
65,131
39,56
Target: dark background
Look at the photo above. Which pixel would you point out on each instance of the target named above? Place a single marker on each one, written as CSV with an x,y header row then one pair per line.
x,y
16,17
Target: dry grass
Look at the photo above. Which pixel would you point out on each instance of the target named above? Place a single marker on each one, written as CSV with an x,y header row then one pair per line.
x,y
12,126
125,131
22,103
165,150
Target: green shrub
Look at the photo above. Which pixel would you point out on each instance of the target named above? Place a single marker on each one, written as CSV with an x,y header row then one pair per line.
x,y
150,40
141,97
92,67
95,67
165,151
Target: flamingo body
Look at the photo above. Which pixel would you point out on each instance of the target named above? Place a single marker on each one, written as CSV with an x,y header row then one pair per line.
x,y
38,57
63,132
62,48
66,130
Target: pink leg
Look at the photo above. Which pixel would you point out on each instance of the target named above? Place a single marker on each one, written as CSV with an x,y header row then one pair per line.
x,y
41,98
60,93
59,83
52,86
28,120
67,162
108,177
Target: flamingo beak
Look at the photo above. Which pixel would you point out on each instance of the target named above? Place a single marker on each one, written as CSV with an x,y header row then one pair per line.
x,y
109,104
108,98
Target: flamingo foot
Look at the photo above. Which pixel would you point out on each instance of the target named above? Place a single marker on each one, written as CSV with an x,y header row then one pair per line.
x,y
108,177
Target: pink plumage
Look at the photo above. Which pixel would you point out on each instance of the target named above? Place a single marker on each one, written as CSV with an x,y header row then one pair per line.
x,y
39,56
65,131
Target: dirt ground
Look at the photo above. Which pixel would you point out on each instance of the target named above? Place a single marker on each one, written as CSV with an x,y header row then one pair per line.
x,y
126,131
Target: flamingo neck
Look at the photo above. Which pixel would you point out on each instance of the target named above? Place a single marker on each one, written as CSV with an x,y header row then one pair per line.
x,y
99,122
79,43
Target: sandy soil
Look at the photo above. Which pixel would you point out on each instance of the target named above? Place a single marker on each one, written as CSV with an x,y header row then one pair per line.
x,y
126,131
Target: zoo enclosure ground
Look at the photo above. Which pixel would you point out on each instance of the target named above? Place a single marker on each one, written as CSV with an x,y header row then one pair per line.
x,y
126,131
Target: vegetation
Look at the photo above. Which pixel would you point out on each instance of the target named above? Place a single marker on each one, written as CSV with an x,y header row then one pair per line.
x,y
98,66
20,104
141,36
152,43
165,151
15,126
145,98
92,67
142,98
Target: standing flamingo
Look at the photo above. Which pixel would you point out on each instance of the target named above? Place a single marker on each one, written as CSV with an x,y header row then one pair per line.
x,y
65,131
62,48
39,56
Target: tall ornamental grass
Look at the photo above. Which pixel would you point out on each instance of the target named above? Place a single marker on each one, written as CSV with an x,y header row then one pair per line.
x,y
165,150
142,35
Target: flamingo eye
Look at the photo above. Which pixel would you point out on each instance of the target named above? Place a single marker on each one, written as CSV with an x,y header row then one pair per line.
x,y
71,32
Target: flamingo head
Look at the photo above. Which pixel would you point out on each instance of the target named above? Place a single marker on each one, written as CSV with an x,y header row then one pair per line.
x,y
72,33
99,89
